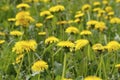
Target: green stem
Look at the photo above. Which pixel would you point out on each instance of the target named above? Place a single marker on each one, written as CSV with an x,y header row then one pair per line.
x,y
88,52
57,51
19,69
39,76
28,61
64,65
88,15
52,66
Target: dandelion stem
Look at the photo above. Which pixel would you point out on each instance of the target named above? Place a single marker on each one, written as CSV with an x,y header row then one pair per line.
x,y
19,69
64,65
88,15
39,76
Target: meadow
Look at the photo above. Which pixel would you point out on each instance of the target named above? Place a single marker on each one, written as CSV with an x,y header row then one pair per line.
x,y
59,39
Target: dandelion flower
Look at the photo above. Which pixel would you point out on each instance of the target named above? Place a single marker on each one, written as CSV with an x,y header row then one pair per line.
x,y
115,20
51,39
105,2
57,8
77,20
86,32
49,17
67,79
98,47
96,9
2,41
45,13
38,25
16,33
42,33
97,3
18,58
86,7
61,22
112,46
39,66
23,5
91,23
117,65
80,43
23,18
92,78
100,26
24,46
79,15
67,44
70,21
117,1
72,29
108,9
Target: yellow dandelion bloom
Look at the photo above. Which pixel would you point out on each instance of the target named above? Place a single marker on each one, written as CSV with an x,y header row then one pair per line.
x,y
57,8
105,2
96,9
98,47
92,78
70,21
2,34
45,13
39,66
100,26
11,19
18,58
77,20
72,29
23,18
78,12
91,23
117,1
38,25
97,3
51,39
117,65
67,44
111,13
2,41
108,9
61,22
45,1
101,13
112,46
86,7
80,43
42,33
86,32
24,46
67,79
115,20
49,17
23,5
79,15
16,33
